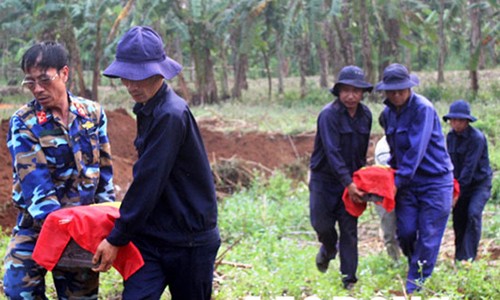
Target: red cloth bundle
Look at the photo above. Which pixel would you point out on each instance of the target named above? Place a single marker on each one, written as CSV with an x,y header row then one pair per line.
x,y
87,225
378,180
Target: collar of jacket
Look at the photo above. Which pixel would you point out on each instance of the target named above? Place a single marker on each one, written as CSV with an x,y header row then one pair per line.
x,y
465,134
149,106
405,106
343,109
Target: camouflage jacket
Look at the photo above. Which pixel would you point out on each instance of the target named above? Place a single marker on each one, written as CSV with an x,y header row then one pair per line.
x,y
55,166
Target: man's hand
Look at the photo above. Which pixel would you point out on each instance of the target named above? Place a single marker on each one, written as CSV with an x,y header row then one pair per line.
x,y
105,255
355,194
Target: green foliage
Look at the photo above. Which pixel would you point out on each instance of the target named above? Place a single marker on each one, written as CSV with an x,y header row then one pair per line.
x,y
266,231
495,191
314,96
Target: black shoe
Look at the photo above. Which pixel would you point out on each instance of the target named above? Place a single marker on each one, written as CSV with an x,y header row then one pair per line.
x,y
349,285
322,262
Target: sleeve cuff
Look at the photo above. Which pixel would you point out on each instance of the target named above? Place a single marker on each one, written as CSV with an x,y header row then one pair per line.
x,y
117,238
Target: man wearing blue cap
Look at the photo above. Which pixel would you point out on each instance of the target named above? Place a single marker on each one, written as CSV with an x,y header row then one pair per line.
x,y
170,210
423,178
341,143
468,149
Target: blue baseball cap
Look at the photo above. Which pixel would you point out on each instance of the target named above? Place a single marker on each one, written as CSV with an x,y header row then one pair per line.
x,y
459,109
140,55
351,75
396,77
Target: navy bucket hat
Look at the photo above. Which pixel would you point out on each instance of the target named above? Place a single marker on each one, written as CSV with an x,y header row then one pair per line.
x,y
459,109
140,55
396,77
351,75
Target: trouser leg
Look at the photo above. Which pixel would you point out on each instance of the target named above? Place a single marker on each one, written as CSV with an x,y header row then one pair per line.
x,y
459,226
23,277
195,273
348,246
388,226
322,208
432,205
469,243
76,283
187,271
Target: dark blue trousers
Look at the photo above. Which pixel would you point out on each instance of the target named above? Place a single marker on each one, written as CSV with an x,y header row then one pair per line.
x,y
422,213
467,219
327,209
187,271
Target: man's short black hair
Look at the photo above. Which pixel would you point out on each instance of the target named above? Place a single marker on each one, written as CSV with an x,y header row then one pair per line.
x,y
47,54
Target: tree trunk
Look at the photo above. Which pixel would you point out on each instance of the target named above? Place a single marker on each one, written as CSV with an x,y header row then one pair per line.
x,y
344,36
302,46
334,56
268,73
204,69
389,46
281,63
224,78
69,38
96,78
475,44
323,63
366,44
181,81
442,43
240,75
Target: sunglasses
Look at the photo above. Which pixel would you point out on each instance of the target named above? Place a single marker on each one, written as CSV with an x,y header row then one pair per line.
x,y
43,81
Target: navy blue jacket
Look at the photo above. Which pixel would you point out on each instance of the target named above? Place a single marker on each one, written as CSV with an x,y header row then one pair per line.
x,y
469,154
171,200
417,142
341,143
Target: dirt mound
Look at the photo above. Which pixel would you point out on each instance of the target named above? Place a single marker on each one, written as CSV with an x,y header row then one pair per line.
x,y
268,151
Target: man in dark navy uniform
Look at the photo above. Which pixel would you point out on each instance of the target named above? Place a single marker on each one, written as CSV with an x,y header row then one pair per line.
x,y
170,210
342,137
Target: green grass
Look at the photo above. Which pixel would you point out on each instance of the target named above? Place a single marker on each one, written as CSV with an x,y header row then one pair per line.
x,y
271,248
267,231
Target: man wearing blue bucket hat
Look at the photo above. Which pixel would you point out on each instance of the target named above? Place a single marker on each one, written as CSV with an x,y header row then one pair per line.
x,y
423,177
169,211
468,149
341,143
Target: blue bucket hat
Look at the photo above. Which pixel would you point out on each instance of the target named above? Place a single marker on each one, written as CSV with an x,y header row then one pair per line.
x,y
396,77
351,75
140,55
459,109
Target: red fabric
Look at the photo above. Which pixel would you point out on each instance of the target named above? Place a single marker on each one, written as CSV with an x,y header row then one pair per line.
x,y
377,180
88,226
456,188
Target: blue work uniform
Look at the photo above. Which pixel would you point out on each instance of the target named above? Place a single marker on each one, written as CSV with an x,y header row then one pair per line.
x,y
340,148
54,166
469,154
170,210
424,180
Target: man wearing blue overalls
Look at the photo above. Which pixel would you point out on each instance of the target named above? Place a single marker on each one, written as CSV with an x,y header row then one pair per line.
x,y
423,178
468,148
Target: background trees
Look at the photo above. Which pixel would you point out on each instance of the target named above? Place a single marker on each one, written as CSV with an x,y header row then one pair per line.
x,y
223,42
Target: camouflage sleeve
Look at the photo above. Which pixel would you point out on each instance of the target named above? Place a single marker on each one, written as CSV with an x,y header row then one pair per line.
x,y
105,189
33,188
